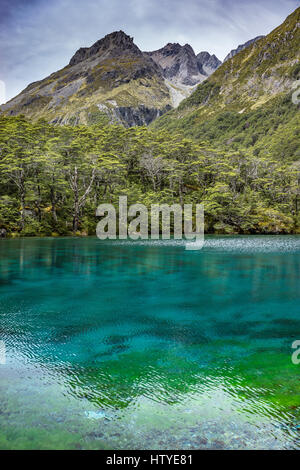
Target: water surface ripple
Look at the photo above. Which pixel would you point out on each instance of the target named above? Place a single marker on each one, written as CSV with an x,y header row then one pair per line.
x,y
144,345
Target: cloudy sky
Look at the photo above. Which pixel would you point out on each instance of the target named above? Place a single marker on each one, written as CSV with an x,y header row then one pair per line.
x,y
38,37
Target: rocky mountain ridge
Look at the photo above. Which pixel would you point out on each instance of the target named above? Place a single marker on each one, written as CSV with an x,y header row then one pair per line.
x,y
182,69
241,47
112,44
249,97
180,64
113,81
207,63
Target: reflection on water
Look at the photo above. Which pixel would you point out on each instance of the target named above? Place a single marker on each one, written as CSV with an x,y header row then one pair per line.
x,y
146,345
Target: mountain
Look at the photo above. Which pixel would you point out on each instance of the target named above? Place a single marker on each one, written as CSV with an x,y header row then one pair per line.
x,y
114,81
207,64
178,63
248,100
242,47
182,69
111,81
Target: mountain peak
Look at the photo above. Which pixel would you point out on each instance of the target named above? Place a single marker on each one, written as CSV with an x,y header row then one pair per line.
x,y
203,56
188,48
180,64
111,81
172,48
207,63
118,40
258,77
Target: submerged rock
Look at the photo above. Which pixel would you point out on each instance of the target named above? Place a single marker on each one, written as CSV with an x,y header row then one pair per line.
x,y
100,414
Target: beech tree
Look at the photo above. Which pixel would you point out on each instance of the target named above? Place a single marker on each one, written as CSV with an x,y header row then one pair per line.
x,y
52,178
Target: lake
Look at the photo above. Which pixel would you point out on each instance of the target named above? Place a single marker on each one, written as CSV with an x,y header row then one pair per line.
x,y
144,345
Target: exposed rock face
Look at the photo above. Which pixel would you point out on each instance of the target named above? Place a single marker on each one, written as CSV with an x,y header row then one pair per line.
x,y
242,47
182,69
207,63
140,116
112,44
179,64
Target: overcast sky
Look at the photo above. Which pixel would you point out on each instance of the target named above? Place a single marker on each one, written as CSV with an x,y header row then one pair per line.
x,y
38,37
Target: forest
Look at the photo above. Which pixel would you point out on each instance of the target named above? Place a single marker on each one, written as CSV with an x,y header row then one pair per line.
x,y
52,178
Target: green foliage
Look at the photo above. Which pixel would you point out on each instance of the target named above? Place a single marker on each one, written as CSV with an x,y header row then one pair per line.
x,y
53,178
272,128
247,103
295,72
202,95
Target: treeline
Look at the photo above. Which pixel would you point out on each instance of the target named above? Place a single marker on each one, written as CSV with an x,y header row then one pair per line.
x,y
52,178
273,128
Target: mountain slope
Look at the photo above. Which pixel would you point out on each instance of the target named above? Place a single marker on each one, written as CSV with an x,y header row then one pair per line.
x,y
111,81
114,81
240,96
241,47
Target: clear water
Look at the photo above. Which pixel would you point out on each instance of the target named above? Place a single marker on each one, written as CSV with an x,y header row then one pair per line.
x,y
114,345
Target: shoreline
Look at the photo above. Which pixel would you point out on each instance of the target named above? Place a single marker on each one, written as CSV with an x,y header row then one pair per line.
x,y
20,237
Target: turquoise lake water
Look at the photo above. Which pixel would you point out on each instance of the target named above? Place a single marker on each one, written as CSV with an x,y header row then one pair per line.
x,y
130,345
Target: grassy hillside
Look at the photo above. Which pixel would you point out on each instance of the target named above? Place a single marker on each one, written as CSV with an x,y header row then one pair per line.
x,y
273,128
114,82
247,101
